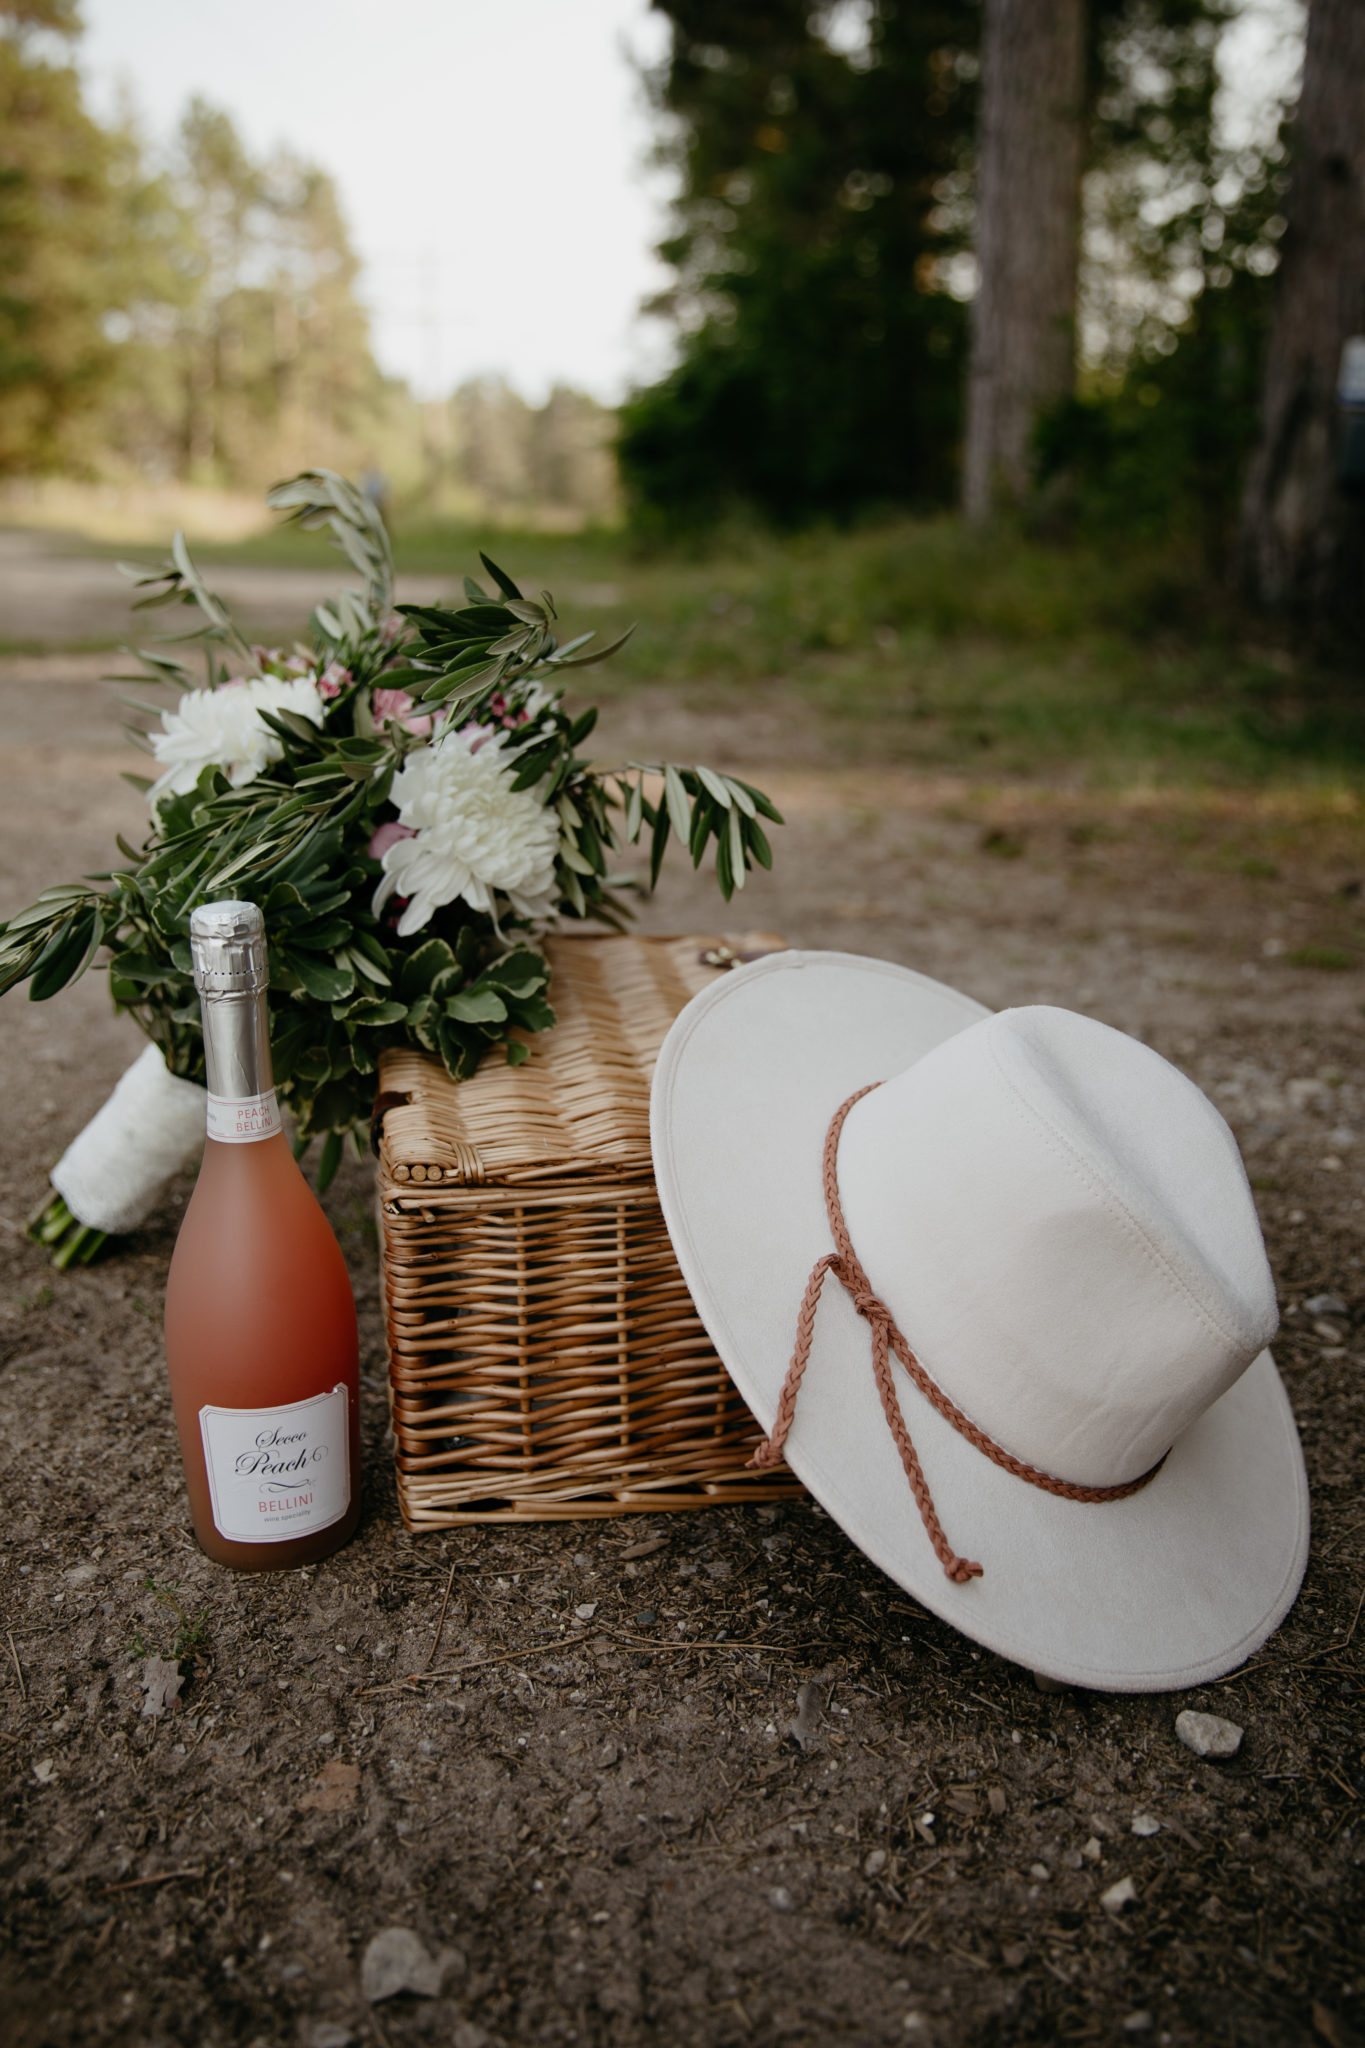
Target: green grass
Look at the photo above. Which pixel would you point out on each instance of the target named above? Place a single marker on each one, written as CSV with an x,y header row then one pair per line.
x,y
921,641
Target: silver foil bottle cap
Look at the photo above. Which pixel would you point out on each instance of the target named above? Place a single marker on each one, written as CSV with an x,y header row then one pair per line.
x,y
227,944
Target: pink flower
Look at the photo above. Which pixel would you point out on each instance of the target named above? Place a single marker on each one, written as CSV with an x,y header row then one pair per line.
x,y
333,679
509,720
388,835
395,707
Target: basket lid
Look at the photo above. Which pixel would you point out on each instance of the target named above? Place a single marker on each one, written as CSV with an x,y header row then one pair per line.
x,y
578,1106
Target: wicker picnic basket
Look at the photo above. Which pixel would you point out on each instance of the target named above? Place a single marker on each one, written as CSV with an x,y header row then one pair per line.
x,y
545,1359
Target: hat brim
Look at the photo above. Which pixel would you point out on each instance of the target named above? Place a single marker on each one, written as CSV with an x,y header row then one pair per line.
x,y
1174,1586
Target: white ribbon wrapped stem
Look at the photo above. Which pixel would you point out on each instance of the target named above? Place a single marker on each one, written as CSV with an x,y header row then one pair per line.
x,y
113,1174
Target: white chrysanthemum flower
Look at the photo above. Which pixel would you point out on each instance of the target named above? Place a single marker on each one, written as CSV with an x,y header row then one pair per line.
x,y
223,728
473,834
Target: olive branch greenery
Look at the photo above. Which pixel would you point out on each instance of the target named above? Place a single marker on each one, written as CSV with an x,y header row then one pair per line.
x,y
295,838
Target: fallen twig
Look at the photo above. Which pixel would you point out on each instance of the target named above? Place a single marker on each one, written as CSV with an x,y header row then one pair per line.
x,y
431,1677
436,1639
14,1659
133,1884
425,1677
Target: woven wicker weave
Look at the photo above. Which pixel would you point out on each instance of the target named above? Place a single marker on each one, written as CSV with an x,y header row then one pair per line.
x,y
545,1358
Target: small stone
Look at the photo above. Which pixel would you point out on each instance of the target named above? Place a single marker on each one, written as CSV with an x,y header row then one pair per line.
x,y
161,1681
1040,1873
810,1706
646,1618
1212,1908
330,2034
1015,1955
1138,2023
1208,1734
44,1770
780,1899
581,1811
335,1789
996,1800
1325,1305
1119,1895
1092,1850
587,1610
396,1961
874,1863
1146,1824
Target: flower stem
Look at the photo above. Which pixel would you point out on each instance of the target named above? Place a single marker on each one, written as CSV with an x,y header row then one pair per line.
x,y
68,1241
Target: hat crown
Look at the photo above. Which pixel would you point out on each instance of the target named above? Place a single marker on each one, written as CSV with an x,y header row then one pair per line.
x,y
1061,1225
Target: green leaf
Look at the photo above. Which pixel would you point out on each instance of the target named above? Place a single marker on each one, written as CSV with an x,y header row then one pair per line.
x,y
714,784
66,956
702,818
519,973
517,1053
504,582
764,805
374,1010
676,797
601,654
535,1015
724,872
572,858
582,726
421,968
734,836
329,1160
758,845
635,811
531,767
477,1006
325,981
658,844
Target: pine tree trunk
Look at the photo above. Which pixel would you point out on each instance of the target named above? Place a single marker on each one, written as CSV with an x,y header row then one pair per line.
x,y
1303,536
1028,225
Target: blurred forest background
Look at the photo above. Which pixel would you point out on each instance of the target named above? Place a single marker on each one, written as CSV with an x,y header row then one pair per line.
x,y
998,321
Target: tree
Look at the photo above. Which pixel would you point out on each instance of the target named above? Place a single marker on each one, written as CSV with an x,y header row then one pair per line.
x,y
824,200
1023,349
1303,536
61,243
1182,215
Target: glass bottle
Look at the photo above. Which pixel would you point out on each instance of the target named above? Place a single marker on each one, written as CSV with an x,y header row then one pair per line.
x,y
261,1340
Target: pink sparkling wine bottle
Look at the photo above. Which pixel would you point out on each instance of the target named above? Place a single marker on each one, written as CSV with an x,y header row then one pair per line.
x,y
260,1319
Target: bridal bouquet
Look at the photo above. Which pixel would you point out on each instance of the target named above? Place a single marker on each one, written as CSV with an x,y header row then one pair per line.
x,y
405,798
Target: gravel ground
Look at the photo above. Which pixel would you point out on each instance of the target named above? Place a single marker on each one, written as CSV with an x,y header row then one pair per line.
x,y
841,1823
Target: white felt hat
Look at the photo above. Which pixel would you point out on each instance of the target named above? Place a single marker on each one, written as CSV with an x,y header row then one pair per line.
x,y
1060,1226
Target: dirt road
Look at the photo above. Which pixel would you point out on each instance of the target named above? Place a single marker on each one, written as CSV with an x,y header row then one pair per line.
x,y
623,1842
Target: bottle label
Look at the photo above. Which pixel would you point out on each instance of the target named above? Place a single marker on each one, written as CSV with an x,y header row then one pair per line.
x,y
244,1119
277,1473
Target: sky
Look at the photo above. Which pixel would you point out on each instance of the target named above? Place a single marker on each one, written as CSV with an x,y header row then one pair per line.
x,y
490,156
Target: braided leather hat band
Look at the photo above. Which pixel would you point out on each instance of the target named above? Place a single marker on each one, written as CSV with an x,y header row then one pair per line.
x,y
887,1339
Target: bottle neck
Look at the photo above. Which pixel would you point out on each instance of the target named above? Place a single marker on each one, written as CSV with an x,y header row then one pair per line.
x,y
236,1045
242,1108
